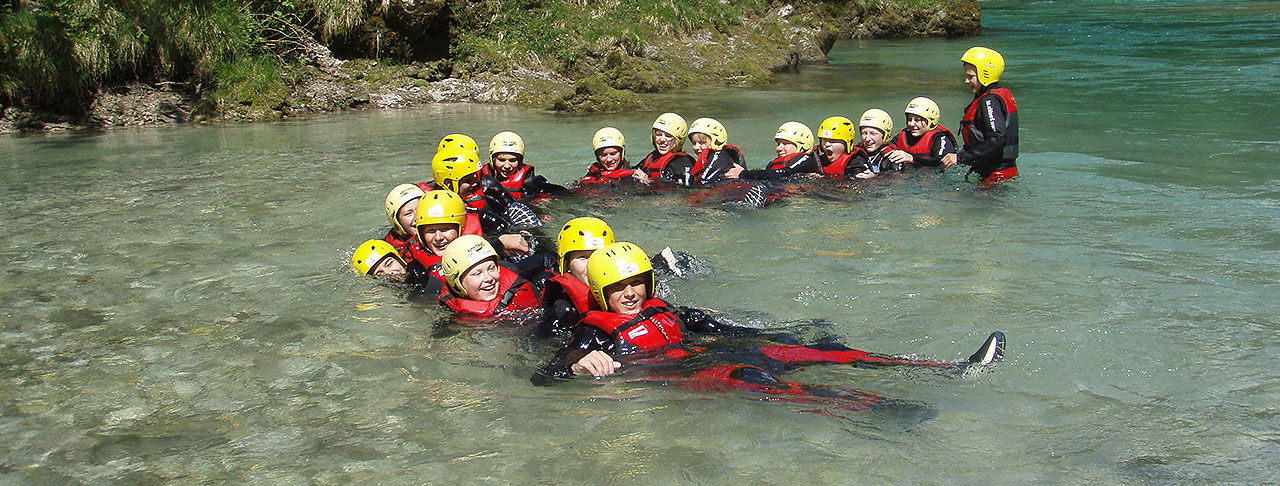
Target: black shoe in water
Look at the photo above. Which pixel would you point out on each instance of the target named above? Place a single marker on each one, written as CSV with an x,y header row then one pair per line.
x,y
991,350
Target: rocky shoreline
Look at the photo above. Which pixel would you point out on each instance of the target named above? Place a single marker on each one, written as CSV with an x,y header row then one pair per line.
x,y
614,78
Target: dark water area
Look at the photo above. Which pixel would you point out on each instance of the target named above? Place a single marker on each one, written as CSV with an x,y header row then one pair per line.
x,y
177,307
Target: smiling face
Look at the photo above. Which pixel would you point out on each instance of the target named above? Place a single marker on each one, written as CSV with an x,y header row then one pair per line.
x,y
434,237
916,125
785,148
610,158
663,141
833,148
628,296
872,139
407,213
481,281
700,142
505,164
971,78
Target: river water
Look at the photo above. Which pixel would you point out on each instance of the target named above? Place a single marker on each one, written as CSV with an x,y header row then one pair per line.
x,y
177,308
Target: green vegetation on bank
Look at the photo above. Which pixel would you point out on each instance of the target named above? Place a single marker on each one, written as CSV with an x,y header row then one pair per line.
x,y
58,55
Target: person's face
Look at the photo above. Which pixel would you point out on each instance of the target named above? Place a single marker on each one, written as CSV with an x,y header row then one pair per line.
x,y
785,148
505,164
663,141
388,266
609,157
434,237
481,281
872,139
833,148
916,125
700,142
575,263
468,183
407,213
628,296
971,78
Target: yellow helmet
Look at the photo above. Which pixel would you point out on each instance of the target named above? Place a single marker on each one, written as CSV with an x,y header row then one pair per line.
x,y
582,234
506,143
462,254
987,63
396,199
925,108
609,137
877,118
459,141
838,128
438,207
711,128
613,264
797,133
452,164
673,124
370,253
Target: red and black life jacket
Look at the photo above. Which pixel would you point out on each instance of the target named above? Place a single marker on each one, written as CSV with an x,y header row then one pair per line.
x,y
514,293
598,175
836,167
577,292
922,147
515,183
415,252
396,242
475,200
785,161
653,164
701,163
655,326
972,134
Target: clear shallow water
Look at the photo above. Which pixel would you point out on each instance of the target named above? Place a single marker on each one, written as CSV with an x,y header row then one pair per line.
x,y
177,308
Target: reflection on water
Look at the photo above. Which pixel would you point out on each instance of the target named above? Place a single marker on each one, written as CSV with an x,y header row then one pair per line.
x,y
177,308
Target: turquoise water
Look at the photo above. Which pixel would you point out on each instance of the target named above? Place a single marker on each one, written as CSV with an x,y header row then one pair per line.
x,y
177,308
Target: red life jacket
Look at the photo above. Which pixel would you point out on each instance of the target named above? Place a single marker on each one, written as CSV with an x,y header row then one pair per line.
x,y
598,175
515,183
427,186
836,167
414,251
578,292
923,146
654,327
784,161
514,293
396,242
654,163
973,135
475,200
701,162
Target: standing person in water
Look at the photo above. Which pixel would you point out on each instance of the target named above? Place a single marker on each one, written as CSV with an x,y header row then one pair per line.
x,y
507,165
630,320
611,164
923,143
402,206
990,123
793,142
667,161
715,155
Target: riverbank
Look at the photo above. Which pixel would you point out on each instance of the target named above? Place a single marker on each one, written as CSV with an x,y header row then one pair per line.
x,y
562,56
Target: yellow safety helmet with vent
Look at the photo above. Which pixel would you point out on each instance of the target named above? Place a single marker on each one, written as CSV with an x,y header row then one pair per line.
x,y
370,253
713,129
506,143
396,199
925,108
797,133
674,125
609,137
462,254
441,207
878,119
987,63
451,165
615,263
838,128
459,141
582,234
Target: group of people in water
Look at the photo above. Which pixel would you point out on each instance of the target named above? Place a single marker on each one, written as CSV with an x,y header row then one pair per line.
x,y
465,239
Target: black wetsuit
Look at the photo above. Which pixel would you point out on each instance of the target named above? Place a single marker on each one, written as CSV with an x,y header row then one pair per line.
x,y
991,136
943,143
781,168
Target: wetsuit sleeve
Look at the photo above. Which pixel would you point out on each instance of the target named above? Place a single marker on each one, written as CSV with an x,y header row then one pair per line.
x,y
536,184
678,170
807,163
701,321
496,196
721,161
858,163
492,223
990,119
558,314
942,145
585,340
